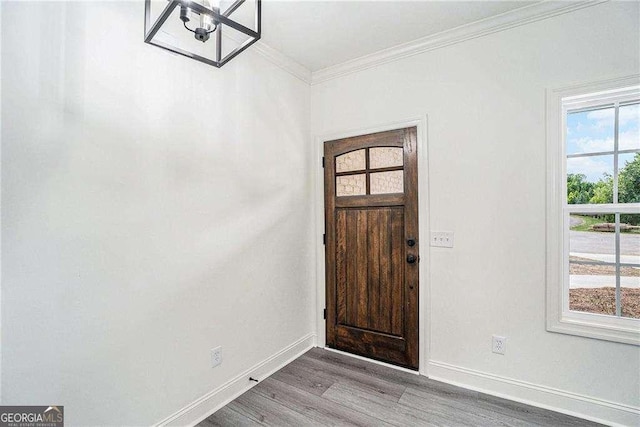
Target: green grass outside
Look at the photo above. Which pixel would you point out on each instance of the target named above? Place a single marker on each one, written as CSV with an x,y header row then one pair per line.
x,y
589,221
586,225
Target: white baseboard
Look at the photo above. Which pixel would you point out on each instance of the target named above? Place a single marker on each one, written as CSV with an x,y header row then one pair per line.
x,y
206,405
578,405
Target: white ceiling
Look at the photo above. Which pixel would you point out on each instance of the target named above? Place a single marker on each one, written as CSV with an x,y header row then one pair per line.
x,y
319,34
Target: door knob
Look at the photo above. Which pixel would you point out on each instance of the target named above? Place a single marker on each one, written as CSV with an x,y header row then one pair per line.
x,y
411,259
411,242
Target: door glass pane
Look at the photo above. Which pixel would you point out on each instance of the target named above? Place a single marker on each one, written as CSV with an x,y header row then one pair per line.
x,y
590,179
630,254
590,131
385,157
352,161
629,124
387,182
351,185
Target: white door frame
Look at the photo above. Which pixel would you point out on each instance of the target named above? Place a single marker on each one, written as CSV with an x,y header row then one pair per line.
x,y
424,315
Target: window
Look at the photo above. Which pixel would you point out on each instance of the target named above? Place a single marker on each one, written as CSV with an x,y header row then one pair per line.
x,y
593,223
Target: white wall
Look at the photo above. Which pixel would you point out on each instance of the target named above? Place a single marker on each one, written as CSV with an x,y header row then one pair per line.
x,y
485,100
153,207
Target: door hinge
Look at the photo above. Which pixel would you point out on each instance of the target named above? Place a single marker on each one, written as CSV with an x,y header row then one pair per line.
x,y
324,239
324,314
323,162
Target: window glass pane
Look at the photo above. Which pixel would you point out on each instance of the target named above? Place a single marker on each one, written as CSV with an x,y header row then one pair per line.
x,y
351,185
385,157
629,124
593,294
590,131
352,161
592,238
387,182
592,286
630,291
630,254
590,179
629,178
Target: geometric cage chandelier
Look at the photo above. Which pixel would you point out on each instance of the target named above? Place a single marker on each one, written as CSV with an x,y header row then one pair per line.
x,y
209,31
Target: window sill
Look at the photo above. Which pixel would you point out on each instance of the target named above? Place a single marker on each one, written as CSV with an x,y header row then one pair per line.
x,y
608,328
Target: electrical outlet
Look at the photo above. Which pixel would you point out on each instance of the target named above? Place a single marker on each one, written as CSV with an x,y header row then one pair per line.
x,y
216,356
499,344
443,239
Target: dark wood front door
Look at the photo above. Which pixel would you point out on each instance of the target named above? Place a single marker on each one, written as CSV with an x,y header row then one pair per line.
x,y
371,215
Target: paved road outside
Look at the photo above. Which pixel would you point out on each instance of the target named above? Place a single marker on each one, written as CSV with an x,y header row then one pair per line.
x,y
625,259
603,243
574,220
601,247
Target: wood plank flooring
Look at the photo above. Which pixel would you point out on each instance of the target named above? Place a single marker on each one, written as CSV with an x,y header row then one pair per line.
x,y
323,388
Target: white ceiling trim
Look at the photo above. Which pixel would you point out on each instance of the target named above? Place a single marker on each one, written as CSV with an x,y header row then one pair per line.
x,y
504,21
283,61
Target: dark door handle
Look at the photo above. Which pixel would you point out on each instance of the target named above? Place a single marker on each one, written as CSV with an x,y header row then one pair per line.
x,y
411,259
411,242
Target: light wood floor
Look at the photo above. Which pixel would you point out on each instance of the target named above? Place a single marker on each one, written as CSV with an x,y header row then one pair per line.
x,y
326,388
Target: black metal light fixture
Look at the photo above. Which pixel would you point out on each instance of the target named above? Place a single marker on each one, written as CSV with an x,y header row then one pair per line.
x,y
210,31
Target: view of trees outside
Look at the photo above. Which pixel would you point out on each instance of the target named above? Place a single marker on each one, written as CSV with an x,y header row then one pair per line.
x,y
593,248
582,191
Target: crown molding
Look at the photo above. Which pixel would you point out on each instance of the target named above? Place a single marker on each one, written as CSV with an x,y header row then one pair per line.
x,y
277,58
515,18
283,61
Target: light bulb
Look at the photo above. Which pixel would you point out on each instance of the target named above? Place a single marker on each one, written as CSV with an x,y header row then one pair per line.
x,y
206,21
184,13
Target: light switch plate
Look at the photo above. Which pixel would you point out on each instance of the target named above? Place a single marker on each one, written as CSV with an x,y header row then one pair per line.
x,y
443,239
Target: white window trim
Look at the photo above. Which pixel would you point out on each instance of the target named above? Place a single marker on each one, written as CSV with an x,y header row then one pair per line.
x,y
559,318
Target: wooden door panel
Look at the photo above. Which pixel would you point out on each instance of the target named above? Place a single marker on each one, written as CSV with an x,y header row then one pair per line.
x,y
370,268
372,288
357,337
396,287
368,201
